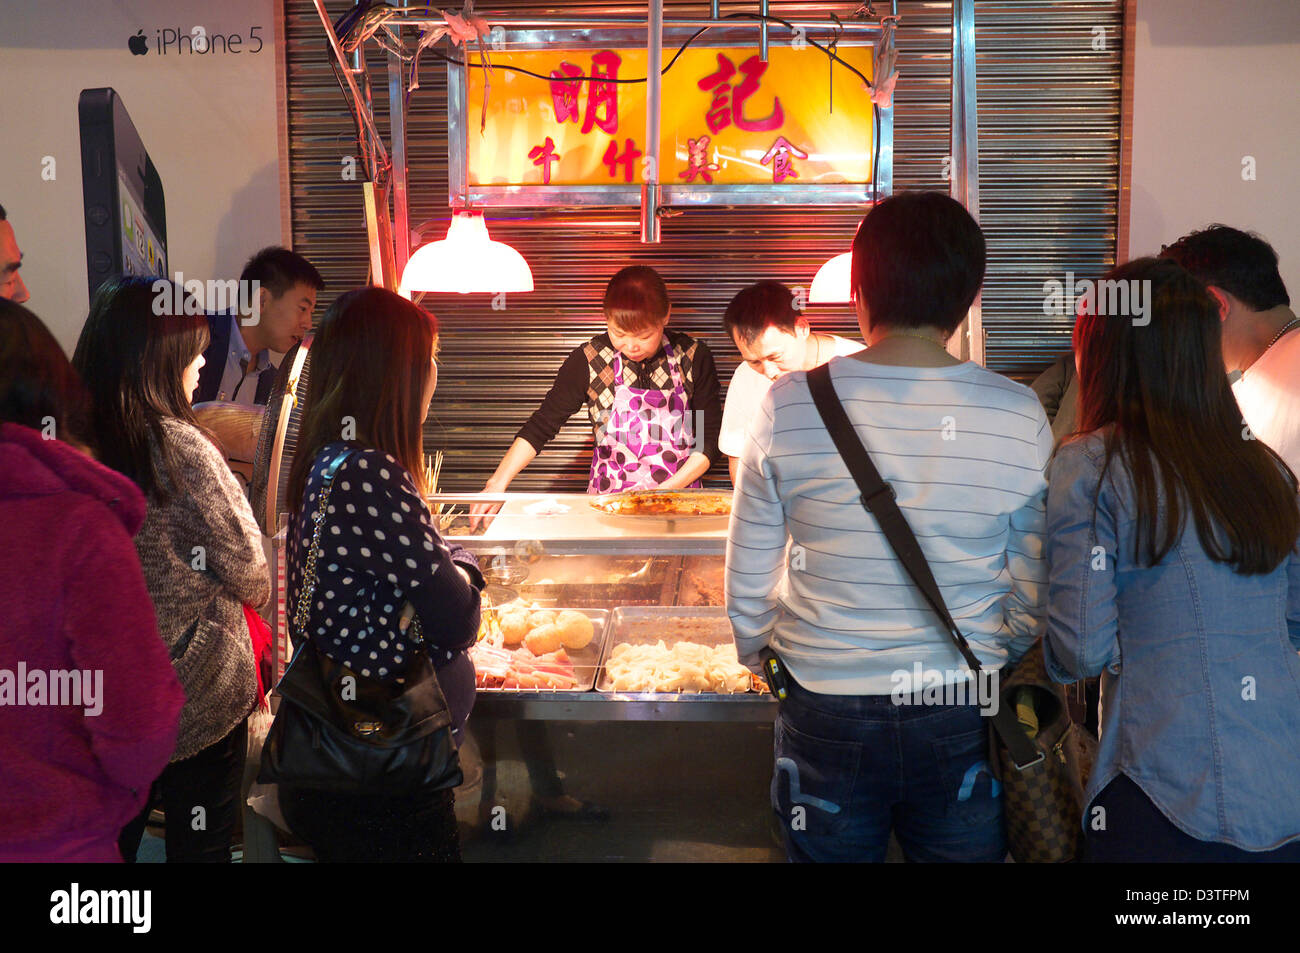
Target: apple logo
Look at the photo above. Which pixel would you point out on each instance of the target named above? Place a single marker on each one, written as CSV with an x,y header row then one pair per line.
x,y
138,44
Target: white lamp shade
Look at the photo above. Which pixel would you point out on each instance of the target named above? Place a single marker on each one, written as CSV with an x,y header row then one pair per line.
x,y
833,284
467,261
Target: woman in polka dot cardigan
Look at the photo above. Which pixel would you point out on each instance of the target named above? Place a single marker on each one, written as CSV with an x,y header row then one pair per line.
x,y
372,379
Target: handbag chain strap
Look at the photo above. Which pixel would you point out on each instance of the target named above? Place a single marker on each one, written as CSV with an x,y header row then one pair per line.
x,y
878,498
309,571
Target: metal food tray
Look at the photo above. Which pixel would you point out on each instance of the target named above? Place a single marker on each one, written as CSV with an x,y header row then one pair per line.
x,y
586,662
644,625
668,521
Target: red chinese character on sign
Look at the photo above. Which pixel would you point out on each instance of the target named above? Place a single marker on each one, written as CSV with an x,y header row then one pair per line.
x,y
603,65
543,156
611,158
728,105
698,161
565,92
779,157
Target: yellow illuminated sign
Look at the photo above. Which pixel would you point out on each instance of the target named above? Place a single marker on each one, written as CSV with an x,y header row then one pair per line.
x,y
727,118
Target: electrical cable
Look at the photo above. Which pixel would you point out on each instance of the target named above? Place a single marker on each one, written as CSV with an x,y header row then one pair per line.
x,y
680,50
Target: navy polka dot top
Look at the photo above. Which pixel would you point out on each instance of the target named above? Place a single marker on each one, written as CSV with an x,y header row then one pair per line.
x,y
379,548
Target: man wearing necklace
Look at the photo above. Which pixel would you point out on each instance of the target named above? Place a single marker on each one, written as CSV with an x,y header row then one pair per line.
x,y
1261,334
773,339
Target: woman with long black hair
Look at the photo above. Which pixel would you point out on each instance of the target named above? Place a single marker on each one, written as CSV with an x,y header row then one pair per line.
x,y
1175,577
199,547
380,556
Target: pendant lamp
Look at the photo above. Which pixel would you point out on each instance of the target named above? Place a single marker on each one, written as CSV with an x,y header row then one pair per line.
x,y
833,284
467,261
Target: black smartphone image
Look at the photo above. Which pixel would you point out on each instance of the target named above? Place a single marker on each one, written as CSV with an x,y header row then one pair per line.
x,y
126,216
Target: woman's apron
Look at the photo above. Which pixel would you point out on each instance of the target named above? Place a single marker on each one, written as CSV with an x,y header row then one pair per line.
x,y
646,437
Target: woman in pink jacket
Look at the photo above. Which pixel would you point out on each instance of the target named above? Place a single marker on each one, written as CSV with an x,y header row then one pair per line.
x,y
89,703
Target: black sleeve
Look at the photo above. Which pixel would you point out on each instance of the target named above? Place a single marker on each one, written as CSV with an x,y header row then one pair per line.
x,y
565,398
706,397
1050,386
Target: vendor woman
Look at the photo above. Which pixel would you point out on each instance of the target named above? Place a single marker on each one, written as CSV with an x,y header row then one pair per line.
x,y
651,395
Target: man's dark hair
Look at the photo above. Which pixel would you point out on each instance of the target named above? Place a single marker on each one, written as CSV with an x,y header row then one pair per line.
x,y
278,269
918,259
2,213
1242,264
635,299
763,305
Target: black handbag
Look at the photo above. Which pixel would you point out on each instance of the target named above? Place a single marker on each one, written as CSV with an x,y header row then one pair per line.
x,y
1042,810
339,731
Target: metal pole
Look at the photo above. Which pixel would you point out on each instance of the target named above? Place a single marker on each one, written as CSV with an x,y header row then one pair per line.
x,y
687,23
650,173
713,10
762,31
397,124
968,343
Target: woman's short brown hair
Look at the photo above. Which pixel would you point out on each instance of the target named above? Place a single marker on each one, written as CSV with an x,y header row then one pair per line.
x,y
636,299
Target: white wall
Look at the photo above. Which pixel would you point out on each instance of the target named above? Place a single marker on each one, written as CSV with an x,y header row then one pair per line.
x,y
1216,81
208,122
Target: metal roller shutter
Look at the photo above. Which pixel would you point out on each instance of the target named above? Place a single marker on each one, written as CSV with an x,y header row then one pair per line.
x,y
1048,181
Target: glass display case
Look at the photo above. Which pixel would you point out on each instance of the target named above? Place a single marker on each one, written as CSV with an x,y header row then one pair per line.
x,y
639,580
651,584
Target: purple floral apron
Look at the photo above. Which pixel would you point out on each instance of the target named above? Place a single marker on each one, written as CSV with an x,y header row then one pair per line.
x,y
646,437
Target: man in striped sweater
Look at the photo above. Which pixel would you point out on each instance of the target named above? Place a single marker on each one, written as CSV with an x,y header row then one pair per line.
x,y
860,747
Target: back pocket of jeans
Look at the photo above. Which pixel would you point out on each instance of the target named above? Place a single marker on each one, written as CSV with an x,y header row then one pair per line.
x,y
813,780
972,794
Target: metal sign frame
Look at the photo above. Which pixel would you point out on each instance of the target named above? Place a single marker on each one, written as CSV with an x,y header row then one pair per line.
x,y
461,193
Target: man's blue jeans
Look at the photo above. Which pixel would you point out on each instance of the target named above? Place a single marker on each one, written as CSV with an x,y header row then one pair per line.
x,y
851,767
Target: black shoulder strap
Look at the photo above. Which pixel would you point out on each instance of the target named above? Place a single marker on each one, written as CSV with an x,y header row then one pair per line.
x,y
879,499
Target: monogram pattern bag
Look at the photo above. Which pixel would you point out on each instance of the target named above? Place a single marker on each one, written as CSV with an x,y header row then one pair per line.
x,y
1043,805
337,730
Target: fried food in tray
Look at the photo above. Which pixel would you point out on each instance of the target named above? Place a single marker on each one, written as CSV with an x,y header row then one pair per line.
x,y
663,503
528,648
682,667
688,650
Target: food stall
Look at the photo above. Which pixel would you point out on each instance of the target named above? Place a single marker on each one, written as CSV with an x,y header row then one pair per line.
x,y
660,645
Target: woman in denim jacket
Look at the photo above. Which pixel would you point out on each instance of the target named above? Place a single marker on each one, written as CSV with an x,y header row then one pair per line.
x,y
1175,576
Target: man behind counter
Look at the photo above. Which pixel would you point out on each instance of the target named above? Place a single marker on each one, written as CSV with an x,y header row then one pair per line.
x,y
773,339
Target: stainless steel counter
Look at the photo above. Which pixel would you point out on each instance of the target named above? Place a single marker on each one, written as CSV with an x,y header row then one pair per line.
x,y
566,524
639,706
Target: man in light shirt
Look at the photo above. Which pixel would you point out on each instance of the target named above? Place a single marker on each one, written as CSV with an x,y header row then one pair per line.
x,y
237,364
773,339
273,313
1261,334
